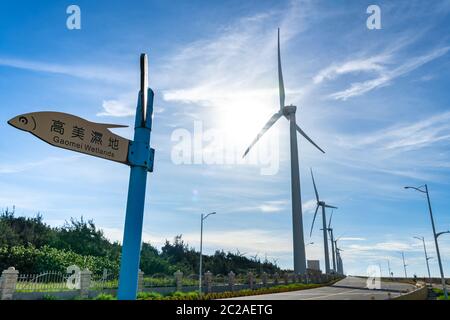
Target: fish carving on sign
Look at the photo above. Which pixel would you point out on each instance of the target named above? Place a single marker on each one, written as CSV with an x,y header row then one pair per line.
x,y
74,133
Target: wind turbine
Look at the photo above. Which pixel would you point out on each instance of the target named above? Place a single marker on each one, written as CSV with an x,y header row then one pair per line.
x,y
340,267
333,251
324,223
297,220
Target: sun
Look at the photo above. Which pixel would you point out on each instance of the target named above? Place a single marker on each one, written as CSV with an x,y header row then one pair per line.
x,y
243,117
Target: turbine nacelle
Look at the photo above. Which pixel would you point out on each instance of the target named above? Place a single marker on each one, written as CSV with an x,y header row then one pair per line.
x,y
287,110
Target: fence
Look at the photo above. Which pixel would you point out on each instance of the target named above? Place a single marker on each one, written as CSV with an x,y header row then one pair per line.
x,y
107,280
46,281
84,284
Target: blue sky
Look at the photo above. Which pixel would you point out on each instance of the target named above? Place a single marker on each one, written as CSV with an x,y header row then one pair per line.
x,y
377,101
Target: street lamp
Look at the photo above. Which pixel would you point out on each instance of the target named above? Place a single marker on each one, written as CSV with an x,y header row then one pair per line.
x,y
436,235
202,218
389,268
440,233
404,265
426,256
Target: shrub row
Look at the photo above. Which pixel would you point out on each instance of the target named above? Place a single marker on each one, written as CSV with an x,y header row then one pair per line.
x,y
33,260
228,294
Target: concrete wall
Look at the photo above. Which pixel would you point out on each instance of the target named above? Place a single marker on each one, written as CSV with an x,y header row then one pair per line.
x,y
419,294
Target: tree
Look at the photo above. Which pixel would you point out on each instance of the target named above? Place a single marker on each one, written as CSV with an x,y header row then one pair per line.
x,y
83,238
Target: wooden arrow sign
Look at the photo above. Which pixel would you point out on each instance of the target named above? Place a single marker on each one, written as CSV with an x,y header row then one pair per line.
x,y
74,133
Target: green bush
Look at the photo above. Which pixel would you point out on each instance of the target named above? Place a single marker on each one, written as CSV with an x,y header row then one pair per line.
x,y
194,295
33,260
32,246
49,297
104,296
149,296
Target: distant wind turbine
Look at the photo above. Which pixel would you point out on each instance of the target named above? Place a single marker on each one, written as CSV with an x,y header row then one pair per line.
x,y
339,265
333,250
324,223
297,220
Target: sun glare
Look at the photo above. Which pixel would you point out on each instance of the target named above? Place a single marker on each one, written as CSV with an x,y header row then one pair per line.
x,y
243,117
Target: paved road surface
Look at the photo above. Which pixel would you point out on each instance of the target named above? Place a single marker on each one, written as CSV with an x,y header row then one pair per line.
x,y
350,288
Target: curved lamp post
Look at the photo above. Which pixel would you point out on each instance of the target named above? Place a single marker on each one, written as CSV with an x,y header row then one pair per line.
x,y
426,256
424,189
391,274
404,265
203,217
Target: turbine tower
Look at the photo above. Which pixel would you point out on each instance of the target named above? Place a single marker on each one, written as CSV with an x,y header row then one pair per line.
x,y
340,267
324,223
333,250
297,220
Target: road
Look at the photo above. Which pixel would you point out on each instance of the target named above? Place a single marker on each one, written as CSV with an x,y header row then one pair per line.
x,y
350,288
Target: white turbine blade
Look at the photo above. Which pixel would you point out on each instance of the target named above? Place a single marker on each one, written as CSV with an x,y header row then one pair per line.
x,y
328,206
314,184
144,85
280,75
308,138
314,219
269,123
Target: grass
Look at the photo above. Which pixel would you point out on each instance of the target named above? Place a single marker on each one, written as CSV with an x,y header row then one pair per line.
x,y
30,286
41,286
104,296
194,295
440,293
168,281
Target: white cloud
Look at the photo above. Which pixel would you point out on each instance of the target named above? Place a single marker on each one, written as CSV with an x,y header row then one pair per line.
x,y
309,206
351,239
266,207
235,71
377,64
24,166
80,71
116,108
273,206
396,246
371,64
411,136
123,106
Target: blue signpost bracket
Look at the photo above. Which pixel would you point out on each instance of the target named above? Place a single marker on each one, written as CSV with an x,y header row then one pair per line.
x,y
141,155
140,159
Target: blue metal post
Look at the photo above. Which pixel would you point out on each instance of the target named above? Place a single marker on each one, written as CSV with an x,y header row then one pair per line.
x,y
140,157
